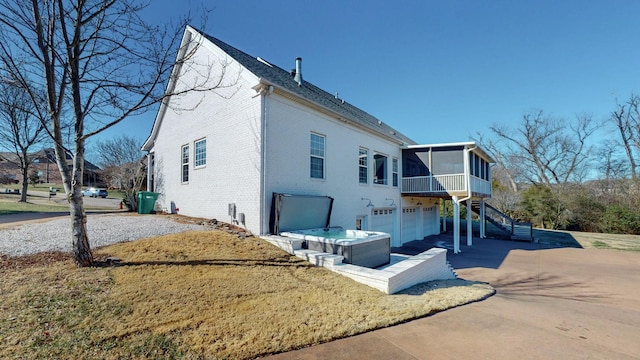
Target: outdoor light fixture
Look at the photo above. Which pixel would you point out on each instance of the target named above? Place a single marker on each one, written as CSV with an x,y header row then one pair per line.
x,y
369,204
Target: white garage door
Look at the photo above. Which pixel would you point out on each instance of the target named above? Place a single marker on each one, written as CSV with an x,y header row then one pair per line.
x,y
382,220
430,220
409,223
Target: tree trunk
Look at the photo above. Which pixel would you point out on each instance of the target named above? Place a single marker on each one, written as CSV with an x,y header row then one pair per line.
x,y
132,200
25,182
81,248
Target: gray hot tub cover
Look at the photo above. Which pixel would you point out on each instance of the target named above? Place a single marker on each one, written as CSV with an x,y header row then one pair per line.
x,y
298,212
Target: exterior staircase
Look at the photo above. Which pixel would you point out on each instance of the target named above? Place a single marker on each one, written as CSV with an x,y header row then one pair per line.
x,y
453,271
514,230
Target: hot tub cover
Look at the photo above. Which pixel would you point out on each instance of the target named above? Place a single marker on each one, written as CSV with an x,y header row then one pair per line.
x,y
298,212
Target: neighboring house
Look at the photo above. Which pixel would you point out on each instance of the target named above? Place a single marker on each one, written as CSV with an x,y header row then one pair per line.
x,y
223,153
43,162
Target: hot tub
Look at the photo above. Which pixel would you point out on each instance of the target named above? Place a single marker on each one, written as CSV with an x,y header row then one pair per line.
x,y
363,248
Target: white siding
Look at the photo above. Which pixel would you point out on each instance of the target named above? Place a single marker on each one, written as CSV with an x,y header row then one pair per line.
x,y
230,121
289,125
233,124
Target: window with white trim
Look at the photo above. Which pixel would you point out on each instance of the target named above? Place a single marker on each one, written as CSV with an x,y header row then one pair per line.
x,y
317,156
363,168
200,153
185,163
394,171
380,170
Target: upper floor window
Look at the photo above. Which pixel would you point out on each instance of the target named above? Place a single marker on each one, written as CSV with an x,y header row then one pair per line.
x,y
185,163
317,156
394,171
380,171
200,155
363,168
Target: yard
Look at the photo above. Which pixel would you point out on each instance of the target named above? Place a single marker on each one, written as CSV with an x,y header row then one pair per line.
x,y
38,200
201,294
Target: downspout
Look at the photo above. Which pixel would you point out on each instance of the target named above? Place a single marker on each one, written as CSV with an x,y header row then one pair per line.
x,y
467,179
150,171
265,92
467,172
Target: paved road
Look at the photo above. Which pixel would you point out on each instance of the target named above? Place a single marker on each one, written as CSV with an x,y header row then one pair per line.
x,y
551,303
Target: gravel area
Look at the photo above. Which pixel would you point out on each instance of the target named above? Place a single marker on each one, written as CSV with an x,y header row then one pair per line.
x,y
55,235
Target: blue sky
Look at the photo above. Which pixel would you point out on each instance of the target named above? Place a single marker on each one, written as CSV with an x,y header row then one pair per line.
x,y
439,71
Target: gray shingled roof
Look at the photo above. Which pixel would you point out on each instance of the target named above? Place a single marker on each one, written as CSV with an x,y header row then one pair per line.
x,y
284,79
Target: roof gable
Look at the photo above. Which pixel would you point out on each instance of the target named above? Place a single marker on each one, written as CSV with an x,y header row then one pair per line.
x,y
283,79
274,75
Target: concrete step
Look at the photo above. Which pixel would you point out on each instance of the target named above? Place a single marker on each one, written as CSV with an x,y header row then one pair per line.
x,y
452,269
319,258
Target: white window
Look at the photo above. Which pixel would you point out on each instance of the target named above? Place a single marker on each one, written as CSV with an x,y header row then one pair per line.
x,y
380,171
363,169
394,170
317,156
200,155
185,163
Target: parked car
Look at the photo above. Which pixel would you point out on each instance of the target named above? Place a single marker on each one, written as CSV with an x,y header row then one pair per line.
x,y
89,192
93,192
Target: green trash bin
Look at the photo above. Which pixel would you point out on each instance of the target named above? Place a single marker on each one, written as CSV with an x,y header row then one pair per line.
x,y
146,201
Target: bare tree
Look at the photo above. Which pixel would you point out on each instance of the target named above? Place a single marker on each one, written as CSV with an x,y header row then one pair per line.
x,y
546,150
611,165
626,119
103,62
505,171
20,128
123,166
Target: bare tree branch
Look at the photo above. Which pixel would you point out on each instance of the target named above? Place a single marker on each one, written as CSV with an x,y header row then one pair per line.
x,y
20,128
98,62
544,149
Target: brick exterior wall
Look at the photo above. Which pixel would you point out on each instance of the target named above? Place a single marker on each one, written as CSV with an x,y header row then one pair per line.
x,y
233,121
230,122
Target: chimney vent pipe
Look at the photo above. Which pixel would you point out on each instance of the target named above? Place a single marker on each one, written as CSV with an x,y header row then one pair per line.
x,y
298,76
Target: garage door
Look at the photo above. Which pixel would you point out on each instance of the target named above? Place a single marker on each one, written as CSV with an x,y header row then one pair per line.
x,y
430,220
382,220
409,223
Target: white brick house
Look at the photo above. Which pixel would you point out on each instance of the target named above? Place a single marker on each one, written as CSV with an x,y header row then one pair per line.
x,y
266,130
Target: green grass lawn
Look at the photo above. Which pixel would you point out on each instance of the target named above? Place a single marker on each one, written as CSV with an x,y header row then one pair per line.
x,y
39,200
10,205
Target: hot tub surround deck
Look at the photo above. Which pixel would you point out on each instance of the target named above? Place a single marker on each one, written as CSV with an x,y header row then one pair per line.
x,y
402,272
363,248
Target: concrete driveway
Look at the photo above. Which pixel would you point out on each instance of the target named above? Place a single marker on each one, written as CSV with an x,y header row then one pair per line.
x,y
551,303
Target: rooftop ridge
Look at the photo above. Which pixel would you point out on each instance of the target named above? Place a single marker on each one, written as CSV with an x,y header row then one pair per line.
x,y
280,77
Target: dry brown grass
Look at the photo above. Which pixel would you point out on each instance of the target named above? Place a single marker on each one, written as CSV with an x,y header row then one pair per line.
x,y
204,294
588,240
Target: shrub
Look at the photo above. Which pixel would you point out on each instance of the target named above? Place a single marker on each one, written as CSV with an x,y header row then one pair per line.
x,y
618,219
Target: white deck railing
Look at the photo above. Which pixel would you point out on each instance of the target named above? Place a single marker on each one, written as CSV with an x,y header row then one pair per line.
x,y
444,184
481,186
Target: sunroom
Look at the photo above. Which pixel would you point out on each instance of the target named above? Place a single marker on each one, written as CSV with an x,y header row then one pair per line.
x,y
460,172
